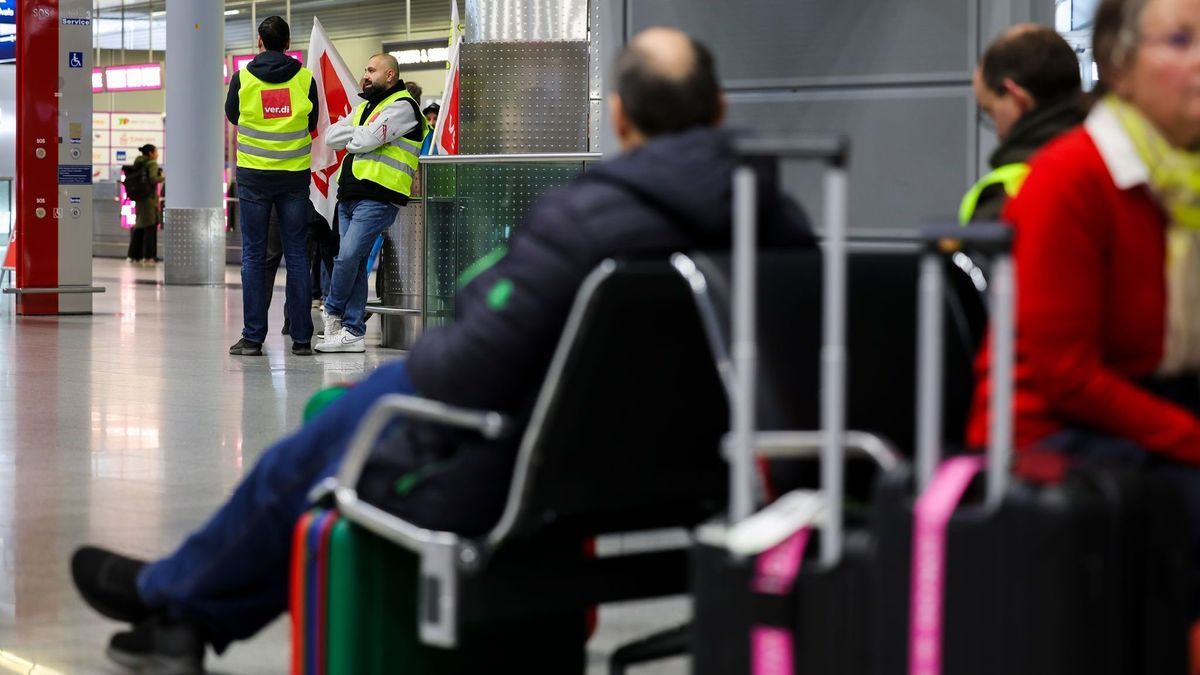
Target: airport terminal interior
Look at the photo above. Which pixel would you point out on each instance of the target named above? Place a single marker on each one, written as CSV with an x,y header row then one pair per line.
x,y
127,419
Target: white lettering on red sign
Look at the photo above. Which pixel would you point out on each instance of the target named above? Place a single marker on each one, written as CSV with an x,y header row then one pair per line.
x,y
276,103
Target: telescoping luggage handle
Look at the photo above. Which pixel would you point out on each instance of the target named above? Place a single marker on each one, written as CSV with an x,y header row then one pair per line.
x,y
996,241
833,151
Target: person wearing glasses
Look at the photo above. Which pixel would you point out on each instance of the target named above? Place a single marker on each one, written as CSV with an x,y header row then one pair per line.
x,y
1107,256
1028,89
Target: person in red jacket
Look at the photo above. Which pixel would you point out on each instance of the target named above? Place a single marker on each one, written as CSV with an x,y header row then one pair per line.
x,y
1107,253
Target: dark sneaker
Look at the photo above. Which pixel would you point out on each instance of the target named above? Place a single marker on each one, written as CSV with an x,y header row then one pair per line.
x,y
302,348
246,347
157,646
108,583
287,328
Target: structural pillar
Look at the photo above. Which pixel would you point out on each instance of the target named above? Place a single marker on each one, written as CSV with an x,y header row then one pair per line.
x,y
53,160
194,220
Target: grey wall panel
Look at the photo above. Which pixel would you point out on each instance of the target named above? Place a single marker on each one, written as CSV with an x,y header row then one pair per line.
x,y
908,161
766,42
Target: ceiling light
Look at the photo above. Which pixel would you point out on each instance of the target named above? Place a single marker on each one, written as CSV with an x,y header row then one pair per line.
x,y
231,12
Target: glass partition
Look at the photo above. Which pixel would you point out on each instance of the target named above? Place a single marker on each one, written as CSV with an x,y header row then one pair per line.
x,y
472,205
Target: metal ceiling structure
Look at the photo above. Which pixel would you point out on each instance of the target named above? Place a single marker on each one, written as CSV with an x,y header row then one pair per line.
x,y
137,24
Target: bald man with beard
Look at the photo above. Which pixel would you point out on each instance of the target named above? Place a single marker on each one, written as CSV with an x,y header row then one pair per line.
x,y
669,191
382,139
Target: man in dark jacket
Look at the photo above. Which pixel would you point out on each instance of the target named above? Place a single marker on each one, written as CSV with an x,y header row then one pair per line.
x,y
273,104
1028,86
670,191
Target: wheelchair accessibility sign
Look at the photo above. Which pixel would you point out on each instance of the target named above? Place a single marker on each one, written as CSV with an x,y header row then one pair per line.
x,y
75,59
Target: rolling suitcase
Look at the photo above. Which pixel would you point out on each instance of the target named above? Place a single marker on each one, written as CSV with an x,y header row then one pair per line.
x,y
987,574
784,591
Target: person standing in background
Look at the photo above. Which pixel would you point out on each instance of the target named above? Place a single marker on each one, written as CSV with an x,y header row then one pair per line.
x,y
273,104
143,238
382,139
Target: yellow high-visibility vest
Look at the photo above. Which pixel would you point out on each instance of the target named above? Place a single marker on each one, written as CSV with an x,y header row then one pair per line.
x,y
1011,176
393,164
273,123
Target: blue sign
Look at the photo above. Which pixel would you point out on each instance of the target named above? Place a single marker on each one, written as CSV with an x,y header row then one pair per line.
x,y
74,174
8,31
8,44
121,155
76,200
75,59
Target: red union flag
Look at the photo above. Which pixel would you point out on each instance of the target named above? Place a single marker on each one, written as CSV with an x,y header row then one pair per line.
x,y
335,87
445,133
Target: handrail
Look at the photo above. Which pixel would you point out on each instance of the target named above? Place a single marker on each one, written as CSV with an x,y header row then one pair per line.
x,y
517,158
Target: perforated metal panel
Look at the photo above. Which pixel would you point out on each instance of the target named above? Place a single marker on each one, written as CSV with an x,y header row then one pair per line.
x,y
400,259
489,202
524,97
195,246
595,59
595,125
526,20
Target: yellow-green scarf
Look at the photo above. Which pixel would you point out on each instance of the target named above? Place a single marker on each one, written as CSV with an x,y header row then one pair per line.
x,y
1174,173
1175,181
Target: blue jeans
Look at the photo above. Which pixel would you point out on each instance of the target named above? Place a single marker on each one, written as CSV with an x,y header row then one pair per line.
x,y
291,205
230,576
360,221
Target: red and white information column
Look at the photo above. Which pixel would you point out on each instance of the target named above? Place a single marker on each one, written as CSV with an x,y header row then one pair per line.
x,y
54,157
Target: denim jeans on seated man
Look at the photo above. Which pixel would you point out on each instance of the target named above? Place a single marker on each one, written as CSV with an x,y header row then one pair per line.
x,y
291,205
360,221
207,579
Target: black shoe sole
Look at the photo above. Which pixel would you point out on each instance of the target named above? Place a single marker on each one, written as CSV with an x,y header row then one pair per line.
x,y
156,664
245,352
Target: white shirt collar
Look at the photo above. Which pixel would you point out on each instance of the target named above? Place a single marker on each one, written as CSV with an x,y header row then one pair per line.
x,y
1126,167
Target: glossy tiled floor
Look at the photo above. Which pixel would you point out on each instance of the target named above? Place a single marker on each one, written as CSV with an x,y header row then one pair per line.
x,y
128,428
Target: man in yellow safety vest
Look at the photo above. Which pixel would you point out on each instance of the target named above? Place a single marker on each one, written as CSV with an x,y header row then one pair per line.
x,y
1028,89
382,138
273,104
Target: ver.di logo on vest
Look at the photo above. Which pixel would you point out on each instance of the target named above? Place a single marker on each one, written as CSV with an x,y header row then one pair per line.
x,y
276,103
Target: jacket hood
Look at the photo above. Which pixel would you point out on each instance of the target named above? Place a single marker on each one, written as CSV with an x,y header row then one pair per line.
x,y
689,176
273,67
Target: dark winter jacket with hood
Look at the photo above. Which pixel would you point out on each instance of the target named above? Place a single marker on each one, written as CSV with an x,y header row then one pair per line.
x,y
672,194
274,67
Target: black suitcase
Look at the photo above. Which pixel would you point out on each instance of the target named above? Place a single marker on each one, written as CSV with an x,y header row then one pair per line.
x,y
802,604
1083,573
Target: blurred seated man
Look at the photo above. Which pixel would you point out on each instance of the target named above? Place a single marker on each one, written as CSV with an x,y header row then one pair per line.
x,y
669,191
1028,87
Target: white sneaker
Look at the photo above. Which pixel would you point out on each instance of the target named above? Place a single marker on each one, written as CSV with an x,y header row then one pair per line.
x,y
331,325
342,341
